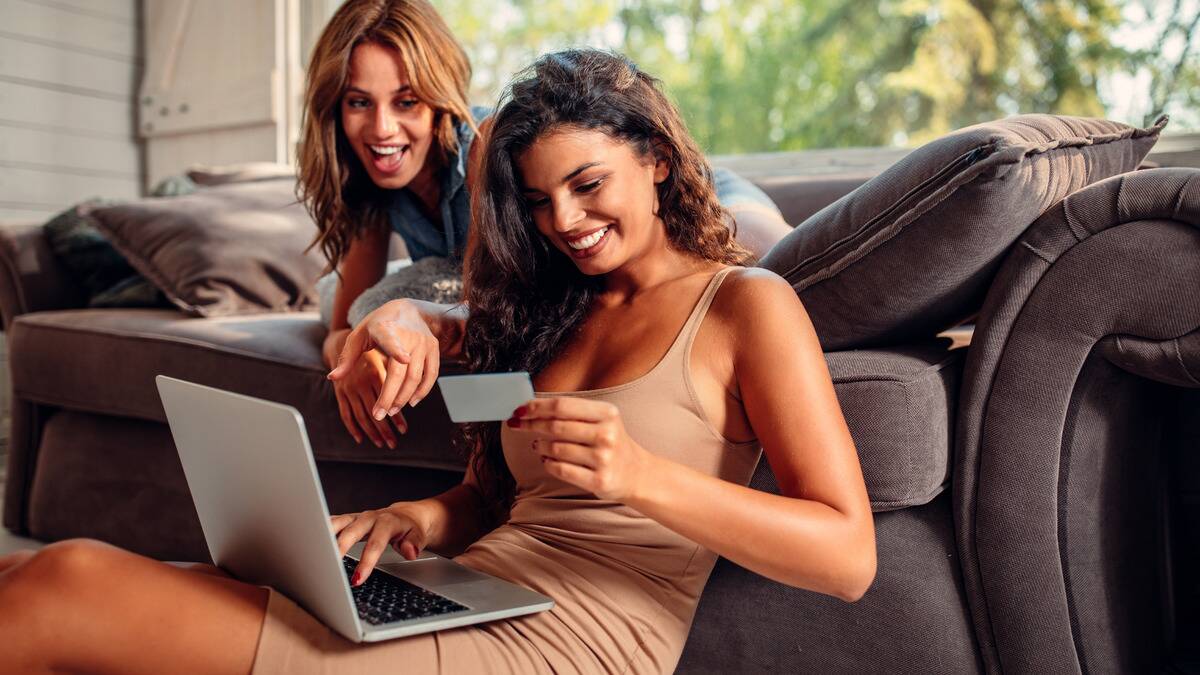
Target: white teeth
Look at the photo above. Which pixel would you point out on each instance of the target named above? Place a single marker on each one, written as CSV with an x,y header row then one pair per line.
x,y
385,149
588,241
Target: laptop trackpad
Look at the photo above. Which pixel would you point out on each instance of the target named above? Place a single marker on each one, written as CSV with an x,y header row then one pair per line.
x,y
434,572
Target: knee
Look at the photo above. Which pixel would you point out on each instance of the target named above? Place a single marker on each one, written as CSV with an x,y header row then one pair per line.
x,y
55,567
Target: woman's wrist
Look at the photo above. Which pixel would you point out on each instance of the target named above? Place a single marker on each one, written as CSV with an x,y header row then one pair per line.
x,y
447,323
331,348
449,518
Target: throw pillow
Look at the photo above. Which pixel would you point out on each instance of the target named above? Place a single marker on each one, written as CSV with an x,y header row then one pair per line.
x,y
107,278
233,249
912,251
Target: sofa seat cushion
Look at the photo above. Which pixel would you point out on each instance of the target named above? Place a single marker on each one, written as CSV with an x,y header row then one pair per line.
x,y
897,402
104,361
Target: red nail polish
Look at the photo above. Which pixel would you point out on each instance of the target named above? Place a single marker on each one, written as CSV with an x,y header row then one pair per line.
x,y
514,422
354,580
521,411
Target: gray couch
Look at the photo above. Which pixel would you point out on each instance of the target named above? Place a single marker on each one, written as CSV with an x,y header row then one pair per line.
x,y
1037,494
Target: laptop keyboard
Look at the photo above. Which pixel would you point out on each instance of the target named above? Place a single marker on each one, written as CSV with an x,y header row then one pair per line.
x,y
383,598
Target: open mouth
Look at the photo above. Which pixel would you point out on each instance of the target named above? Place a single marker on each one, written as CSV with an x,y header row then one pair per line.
x,y
388,158
590,245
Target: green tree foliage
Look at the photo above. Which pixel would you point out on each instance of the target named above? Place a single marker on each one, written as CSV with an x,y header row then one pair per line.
x,y
769,75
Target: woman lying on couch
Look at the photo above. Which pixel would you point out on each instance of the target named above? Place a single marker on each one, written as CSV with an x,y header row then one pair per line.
x,y
388,146
604,267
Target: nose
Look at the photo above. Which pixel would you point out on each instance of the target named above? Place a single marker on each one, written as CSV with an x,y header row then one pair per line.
x,y
383,124
566,214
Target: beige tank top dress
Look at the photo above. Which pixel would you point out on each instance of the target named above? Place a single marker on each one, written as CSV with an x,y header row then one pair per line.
x,y
625,587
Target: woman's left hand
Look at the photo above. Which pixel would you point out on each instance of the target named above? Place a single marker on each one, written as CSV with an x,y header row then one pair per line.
x,y
584,443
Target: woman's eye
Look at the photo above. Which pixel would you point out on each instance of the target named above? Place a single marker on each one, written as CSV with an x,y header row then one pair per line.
x,y
407,104
357,103
589,187
537,203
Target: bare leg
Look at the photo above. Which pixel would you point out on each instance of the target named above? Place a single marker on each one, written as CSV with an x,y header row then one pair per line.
x,y
758,227
86,606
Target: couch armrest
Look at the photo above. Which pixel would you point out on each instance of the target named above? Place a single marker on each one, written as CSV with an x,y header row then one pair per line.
x,y
1060,486
31,277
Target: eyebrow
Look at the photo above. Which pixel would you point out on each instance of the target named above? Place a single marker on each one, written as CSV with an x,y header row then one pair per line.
x,y
402,89
578,170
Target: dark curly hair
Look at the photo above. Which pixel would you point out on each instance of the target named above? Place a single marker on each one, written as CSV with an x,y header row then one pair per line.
x,y
526,298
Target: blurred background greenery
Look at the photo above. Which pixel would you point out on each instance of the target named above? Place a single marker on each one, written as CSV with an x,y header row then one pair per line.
x,y
776,75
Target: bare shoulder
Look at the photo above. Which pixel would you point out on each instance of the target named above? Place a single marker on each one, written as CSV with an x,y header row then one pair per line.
x,y
753,296
762,314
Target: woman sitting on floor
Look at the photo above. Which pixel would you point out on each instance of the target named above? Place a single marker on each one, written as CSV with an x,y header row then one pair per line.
x,y
605,268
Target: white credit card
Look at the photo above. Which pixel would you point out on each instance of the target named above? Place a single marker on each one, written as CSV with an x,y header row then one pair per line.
x,y
491,397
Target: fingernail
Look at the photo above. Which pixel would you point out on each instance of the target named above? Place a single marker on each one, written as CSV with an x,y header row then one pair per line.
x,y
391,444
414,402
513,422
379,414
354,581
393,411
520,411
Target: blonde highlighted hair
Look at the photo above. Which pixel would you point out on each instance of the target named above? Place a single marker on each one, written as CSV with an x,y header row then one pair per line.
x,y
332,183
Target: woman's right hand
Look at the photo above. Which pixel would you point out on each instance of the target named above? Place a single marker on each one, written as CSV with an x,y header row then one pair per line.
x,y
404,525
356,394
399,331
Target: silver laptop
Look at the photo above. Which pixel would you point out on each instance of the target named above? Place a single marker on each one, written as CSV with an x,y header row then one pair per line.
x,y
252,475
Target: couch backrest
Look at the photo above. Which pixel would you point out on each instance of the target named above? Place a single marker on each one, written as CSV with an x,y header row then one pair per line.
x,y
798,197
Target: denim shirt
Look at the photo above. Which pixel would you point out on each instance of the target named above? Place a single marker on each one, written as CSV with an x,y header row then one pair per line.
x,y
421,236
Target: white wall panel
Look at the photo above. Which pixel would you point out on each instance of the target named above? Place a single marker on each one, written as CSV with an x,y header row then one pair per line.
x,y
37,107
17,215
69,71
57,69
58,152
221,84
68,29
38,189
174,154
119,11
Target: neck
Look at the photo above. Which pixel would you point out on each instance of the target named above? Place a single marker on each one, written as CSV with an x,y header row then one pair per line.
x,y
661,263
424,185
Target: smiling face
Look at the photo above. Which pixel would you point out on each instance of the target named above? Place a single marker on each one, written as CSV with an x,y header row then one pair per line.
x,y
593,197
389,128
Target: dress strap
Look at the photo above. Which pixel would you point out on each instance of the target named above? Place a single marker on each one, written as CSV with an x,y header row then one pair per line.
x,y
698,313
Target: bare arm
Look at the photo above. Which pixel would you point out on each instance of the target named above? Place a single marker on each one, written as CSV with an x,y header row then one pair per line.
x,y
455,517
446,524
362,266
819,533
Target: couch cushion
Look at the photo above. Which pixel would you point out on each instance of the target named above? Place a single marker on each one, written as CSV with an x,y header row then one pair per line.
x,y
104,361
232,249
897,402
917,245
